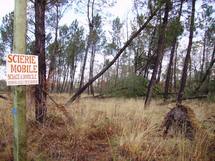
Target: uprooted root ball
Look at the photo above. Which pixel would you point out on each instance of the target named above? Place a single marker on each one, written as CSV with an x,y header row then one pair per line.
x,y
180,119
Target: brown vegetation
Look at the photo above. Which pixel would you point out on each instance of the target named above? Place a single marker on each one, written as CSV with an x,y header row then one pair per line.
x,y
110,129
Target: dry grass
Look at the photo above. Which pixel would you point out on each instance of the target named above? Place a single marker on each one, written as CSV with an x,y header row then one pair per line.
x,y
110,129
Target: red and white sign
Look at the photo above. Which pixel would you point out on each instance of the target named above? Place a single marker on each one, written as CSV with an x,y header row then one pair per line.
x,y
21,69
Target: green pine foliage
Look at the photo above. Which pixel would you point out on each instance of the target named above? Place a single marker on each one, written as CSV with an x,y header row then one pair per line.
x,y
131,86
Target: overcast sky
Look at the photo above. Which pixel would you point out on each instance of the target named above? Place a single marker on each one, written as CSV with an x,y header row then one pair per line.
x,y
120,9
6,6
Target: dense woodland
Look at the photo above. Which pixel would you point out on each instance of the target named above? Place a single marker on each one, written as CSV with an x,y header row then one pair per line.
x,y
162,50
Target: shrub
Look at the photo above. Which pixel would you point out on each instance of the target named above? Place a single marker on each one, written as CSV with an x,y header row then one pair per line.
x,y
130,86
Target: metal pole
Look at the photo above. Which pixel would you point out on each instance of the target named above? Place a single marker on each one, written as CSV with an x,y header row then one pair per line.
x,y
19,92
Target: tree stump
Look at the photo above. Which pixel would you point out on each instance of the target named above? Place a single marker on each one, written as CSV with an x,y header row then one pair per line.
x,y
180,119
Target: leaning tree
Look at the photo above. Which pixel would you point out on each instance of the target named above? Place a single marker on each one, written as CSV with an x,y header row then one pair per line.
x,y
181,118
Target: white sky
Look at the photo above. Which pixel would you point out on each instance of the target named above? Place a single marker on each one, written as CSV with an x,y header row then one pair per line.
x,y
120,9
6,6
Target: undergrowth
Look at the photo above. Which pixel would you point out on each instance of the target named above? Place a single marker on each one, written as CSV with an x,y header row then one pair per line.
x,y
110,129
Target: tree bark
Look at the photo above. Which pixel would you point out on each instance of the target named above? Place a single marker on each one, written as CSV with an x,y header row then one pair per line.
x,y
146,71
90,24
159,71
203,57
58,79
92,59
127,43
208,71
170,69
84,65
40,96
175,69
187,58
72,76
54,54
159,52
65,76
117,71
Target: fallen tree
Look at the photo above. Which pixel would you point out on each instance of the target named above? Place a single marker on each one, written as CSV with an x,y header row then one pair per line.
x,y
127,43
194,97
180,120
3,97
169,101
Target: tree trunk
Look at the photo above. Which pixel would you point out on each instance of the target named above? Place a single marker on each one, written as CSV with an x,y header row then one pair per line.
x,y
53,84
159,72
91,68
40,95
149,53
169,74
190,73
91,25
72,76
84,64
135,60
159,52
203,57
52,64
117,72
208,71
3,97
58,80
127,43
175,69
64,89
182,117
187,58
66,73
169,71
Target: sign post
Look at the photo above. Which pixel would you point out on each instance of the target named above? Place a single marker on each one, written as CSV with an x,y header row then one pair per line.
x,y
19,92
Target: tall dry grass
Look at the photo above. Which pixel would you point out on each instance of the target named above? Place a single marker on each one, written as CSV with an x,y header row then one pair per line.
x,y
111,129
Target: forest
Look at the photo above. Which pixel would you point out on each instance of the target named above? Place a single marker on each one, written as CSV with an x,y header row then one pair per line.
x,y
116,80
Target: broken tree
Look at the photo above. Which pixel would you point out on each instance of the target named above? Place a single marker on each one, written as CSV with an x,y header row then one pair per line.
x,y
127,43
181,117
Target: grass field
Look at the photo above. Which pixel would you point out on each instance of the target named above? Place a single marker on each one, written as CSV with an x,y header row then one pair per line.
x,y
110,130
